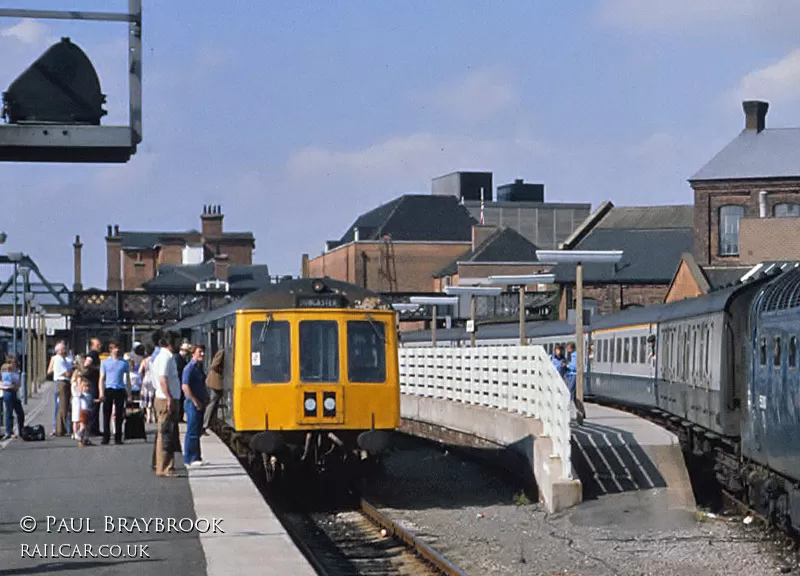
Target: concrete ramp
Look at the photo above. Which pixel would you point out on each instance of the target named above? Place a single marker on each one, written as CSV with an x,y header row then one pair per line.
x,y
615,451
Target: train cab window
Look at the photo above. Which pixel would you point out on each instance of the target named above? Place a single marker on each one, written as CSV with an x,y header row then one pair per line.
x,y
366,351
270,352
776,352
793,352
763,352
642,349
626,356
319,351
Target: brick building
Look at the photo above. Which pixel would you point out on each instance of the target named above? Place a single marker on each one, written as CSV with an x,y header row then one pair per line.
x,y
398,246
136,258
747,197
652,238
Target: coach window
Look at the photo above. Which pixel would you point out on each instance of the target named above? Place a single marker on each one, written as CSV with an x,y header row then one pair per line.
x,y
270,352
702,353
763,352
776,353
366,351
642,349
319,351
708,344
611,347
619,350
793,352
626,351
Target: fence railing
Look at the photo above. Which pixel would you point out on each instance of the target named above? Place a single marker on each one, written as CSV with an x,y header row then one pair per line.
x,y
519,379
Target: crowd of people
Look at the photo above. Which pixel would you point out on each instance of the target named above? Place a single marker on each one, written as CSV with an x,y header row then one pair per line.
x,y
166,380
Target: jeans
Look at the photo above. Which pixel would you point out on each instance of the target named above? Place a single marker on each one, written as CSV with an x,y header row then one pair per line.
x,y
11,405
194,428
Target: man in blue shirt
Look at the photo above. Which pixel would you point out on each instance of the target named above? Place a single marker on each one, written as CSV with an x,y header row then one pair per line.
x,y
115,386
572,377
193,382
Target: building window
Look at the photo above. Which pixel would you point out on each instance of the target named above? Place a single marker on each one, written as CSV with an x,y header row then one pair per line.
x,y
786,210
729,217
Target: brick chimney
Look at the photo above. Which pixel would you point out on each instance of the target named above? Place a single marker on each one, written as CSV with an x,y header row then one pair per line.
x,y
114,259
212,221
481,233
221,267
755,114
77,286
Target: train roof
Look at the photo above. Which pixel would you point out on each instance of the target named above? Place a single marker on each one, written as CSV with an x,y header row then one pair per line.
x,y
781,293
296,293
538,329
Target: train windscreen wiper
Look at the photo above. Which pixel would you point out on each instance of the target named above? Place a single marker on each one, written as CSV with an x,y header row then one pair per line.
x,y
264,329
373,325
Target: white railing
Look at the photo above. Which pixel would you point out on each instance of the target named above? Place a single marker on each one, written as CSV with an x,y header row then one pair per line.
x,y
520,379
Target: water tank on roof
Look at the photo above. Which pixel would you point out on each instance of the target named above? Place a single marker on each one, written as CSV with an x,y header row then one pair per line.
x,y
520,192
192,254
61,87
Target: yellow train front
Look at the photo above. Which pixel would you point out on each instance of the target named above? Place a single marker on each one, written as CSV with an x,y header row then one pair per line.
x,y
311,372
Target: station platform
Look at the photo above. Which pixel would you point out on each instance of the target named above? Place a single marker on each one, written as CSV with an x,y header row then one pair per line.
x,y
114,515
615,451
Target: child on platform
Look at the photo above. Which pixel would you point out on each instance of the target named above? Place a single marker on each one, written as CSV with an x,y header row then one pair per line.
x,y
85,402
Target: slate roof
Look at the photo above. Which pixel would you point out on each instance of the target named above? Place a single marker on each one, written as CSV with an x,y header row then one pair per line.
x,y
415,217
649,217
148,240
650,256
771,153
720,277
503,245
183,277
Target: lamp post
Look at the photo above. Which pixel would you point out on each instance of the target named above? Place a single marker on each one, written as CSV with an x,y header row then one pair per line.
x,y
522,281
434,301
24,271
579,258
15,257
473,291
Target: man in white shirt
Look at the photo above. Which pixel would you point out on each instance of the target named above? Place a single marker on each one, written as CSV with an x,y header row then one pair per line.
x,y
168,393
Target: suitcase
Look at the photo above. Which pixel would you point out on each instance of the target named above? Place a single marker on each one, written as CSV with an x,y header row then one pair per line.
x,y
134,428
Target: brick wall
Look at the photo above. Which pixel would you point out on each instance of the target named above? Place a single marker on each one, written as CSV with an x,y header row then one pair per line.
x,y
170,254
609,296
137,271
710,197
684,285
239,254
414,264
763,239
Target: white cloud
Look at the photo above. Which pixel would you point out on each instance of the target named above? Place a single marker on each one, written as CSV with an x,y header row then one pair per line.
x,y
479,96
778,82
28,32
697,14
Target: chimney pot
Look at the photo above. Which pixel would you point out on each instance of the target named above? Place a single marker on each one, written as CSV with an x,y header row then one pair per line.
x,y
755,114
219,208
109,231
116,230
518,181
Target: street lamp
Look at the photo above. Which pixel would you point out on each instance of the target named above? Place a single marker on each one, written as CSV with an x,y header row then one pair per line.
x,y
522,281
579,258
434,301
24,271
15,257
472,291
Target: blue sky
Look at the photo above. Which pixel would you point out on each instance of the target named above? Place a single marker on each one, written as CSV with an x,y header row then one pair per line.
x,y
297,116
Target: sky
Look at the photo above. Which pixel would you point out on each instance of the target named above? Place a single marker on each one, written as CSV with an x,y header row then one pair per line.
x,y
297,116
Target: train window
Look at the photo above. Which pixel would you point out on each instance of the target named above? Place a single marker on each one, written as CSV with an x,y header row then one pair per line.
x,y
793,352
605,350
611,347
763,352
776,352
619,350
642,349
702,353
319,351
626,356
366,351
708,345
270,352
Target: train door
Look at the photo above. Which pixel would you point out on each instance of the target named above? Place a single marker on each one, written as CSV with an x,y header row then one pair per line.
x,y
758,394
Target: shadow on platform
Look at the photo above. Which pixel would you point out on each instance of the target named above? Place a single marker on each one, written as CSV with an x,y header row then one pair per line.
x,y
610,461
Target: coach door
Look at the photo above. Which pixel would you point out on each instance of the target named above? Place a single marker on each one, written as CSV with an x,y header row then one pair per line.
x,y
320,396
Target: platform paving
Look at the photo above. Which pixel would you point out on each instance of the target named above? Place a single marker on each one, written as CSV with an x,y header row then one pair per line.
x,y
111,485
615,452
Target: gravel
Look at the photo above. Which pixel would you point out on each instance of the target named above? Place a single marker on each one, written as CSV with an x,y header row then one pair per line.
x,y
481,522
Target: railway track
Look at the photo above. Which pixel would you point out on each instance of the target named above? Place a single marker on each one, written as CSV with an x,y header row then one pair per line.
x,y
353,540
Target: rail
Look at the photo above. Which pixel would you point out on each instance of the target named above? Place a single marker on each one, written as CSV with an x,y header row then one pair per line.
x,y
519,379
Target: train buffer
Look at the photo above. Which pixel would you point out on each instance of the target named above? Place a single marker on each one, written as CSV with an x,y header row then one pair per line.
x,y
101,508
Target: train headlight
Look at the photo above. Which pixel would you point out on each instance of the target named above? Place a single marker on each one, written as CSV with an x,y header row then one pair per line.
x,y
329,404
310,405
